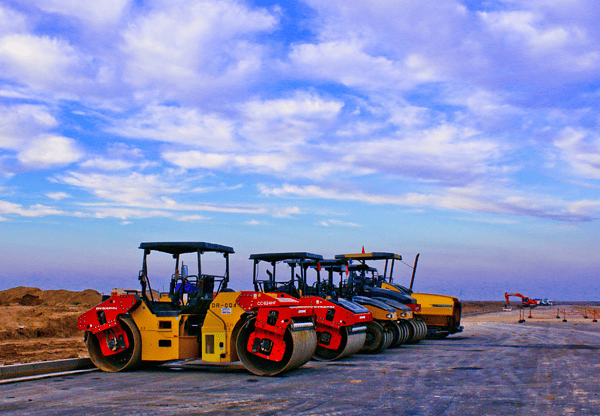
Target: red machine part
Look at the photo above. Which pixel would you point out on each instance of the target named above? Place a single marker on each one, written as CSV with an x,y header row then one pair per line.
x,y
102,322
104,316
273,318
330,318
113,340
416,308
267,344
525,301
250,300
328,337
329,314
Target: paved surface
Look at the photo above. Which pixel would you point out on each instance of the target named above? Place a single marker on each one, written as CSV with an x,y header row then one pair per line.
x,y
493,368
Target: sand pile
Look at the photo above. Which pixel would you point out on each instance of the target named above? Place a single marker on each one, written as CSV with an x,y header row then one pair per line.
x,y
31,296
38,325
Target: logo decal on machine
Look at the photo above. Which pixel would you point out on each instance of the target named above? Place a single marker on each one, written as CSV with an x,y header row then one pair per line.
x,y
265,303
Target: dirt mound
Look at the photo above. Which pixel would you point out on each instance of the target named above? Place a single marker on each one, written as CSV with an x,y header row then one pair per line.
x,y
88,297
30,300
30,296
16,293
37,325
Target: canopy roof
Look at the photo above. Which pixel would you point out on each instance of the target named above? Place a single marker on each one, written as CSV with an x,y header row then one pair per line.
x,y
369,256
271,257
186,247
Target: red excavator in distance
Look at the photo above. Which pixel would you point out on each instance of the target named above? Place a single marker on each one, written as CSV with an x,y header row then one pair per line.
x,y
525,301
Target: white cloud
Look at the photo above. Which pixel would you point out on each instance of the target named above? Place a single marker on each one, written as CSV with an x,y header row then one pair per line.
x,y
528,27
49,151
172,124
129,213
11,21
268,135
266,162
43,62
445,153
194,159
327,223
104,164
482,199
285,212
564,43
92,12
193,218
281,123
498,221
33,211
581,149
57,196
125,188
347,62
135,195
385,47
194,45
160,208
21,123
124,151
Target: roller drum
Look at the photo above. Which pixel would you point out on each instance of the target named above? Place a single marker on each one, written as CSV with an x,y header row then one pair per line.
x,y
125,360
351,344
300,347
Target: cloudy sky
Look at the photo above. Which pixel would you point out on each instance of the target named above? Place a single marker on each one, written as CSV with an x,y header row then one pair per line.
x,y
463,130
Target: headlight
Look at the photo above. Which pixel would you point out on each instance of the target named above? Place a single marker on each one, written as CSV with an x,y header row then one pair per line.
x,y
391,315
404,314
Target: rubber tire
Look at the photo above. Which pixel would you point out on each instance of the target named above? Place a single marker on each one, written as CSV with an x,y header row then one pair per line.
x,y
424,325
414,332
397,333
389,337
126,360
375,339
405,332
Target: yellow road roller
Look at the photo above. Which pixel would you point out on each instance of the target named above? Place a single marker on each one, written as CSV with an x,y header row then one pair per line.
x,y
442,313
198,318
367,282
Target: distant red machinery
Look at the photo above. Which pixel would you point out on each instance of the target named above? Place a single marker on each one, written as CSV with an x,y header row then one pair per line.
x,y
525,301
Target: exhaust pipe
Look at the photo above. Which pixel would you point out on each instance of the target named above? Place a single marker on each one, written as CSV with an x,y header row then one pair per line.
x,y
412,280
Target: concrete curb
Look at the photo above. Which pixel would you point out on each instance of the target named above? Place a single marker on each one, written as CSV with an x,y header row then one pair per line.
x,y
46,367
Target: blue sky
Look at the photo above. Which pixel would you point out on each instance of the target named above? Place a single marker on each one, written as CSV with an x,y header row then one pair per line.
x,y
466,131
